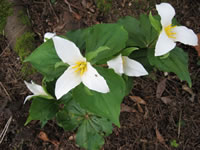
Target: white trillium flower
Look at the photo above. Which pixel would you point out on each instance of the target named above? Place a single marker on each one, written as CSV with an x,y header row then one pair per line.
x,y
171,34
79,70
35,89
48,36
130,67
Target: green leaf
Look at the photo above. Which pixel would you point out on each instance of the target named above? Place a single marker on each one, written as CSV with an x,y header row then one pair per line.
x,y
94,54
79,37
42,109
155,23
71,116
128,51
91,130
44,59
88,138
105,40
176,62
105,105
132,26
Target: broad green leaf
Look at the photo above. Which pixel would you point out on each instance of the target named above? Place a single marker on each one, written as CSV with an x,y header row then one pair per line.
x,y
71,116
176,62
128,51
148,32
155,23
42,109
105,40
79,37
93,54
105,105
87,137
91,130
132,26
44,59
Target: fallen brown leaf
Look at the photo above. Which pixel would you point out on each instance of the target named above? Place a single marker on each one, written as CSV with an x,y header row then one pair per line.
x,y
159,136
198,46
140,108
125,108
138,100
43,136
166,100
161,88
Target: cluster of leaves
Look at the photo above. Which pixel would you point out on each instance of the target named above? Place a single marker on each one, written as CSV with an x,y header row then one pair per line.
x,y
89,112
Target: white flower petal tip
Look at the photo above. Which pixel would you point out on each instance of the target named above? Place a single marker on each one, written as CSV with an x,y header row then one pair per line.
x,y
133,68
116,64
94,81
48,36
27,98
67,51
35,89
185,36
166,12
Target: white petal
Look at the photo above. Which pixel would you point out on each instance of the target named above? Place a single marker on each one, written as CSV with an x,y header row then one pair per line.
x,y
94,81
67,50
67,81
133,68
164,44
166,12
35,88
28,97
185,36
116,64
48,36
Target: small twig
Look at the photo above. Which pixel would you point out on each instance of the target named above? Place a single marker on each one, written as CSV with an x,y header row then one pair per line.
x,y
6,92
57,19
179,124
68,4
3,133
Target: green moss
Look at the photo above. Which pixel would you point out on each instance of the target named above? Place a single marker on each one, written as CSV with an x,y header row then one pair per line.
x,y
5,11
104,5
23,47
24,18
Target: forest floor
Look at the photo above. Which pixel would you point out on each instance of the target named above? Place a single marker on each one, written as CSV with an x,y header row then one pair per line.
x,y
173,116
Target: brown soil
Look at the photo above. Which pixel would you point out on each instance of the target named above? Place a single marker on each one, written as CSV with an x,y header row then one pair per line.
x,y
152,129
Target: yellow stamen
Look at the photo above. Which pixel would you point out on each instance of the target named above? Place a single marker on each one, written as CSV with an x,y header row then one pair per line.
x,y
80,67
169,31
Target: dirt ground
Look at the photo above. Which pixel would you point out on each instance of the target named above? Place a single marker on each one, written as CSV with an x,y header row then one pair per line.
x,y
174,116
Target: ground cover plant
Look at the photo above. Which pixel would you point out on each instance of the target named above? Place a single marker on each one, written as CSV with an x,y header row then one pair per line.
x,y
91,95
82,107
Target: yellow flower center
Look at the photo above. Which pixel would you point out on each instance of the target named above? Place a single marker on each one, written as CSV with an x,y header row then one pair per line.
x,y
169,31
80,67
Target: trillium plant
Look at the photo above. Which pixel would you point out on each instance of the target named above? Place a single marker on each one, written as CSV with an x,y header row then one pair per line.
x,y
88,72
